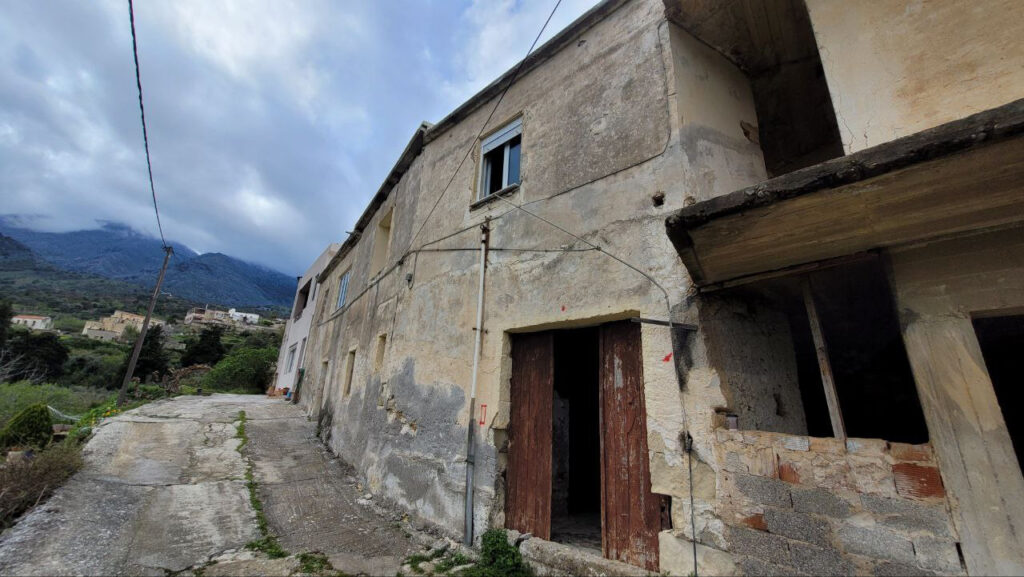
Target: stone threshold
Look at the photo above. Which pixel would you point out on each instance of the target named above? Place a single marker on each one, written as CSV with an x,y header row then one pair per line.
x,y
557,559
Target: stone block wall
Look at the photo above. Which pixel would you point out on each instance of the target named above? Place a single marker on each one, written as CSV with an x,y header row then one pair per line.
x,y
816,506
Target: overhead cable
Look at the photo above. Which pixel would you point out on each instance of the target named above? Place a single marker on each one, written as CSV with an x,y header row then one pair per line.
x,y
483,127
142,113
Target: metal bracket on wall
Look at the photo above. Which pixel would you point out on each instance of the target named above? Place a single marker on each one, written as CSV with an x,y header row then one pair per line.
x,y
677,326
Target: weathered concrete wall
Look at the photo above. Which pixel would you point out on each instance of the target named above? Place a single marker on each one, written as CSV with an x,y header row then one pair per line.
x,y
898,67
760,383
713,103
938,288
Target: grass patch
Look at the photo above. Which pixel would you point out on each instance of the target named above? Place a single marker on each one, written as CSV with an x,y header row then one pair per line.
x,y
25,483
415,560
450,562
267,543
315,563
15,397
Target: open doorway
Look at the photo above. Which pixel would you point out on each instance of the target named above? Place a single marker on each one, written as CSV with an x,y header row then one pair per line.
x,y
578,468
576,440
1002,342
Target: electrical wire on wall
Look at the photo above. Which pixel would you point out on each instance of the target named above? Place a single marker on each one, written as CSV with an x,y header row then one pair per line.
x,y
483,127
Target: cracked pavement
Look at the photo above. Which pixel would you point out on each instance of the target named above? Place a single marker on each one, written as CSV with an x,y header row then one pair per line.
x,y
163,490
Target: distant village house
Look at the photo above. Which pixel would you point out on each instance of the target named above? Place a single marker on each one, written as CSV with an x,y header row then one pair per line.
x,y
113,327
214,317
37,322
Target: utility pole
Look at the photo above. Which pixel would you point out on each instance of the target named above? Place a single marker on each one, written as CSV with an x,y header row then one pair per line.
x,y
485,232
168,251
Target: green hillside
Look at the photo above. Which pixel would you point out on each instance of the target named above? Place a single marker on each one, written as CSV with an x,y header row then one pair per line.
x,y
33,285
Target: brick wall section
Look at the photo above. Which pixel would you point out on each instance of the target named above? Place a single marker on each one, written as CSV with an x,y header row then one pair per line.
x,y
802,505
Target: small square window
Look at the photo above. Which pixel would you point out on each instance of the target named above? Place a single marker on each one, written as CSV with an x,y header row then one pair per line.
x,y
500,155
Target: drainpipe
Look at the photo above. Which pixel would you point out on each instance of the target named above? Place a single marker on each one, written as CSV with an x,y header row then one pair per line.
x,y
470,447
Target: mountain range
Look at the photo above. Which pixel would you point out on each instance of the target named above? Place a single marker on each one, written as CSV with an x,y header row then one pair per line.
x,y
116,251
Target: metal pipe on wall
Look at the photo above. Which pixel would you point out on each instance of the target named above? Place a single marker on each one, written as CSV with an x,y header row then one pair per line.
x,y
471,426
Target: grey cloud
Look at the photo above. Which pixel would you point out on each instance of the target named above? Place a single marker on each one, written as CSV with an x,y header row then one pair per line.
x,y
305,135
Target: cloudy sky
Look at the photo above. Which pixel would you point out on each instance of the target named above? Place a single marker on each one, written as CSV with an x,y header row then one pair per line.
x,y
271,122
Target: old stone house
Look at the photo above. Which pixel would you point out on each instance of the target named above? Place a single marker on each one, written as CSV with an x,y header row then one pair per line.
x,y
114,326
804,375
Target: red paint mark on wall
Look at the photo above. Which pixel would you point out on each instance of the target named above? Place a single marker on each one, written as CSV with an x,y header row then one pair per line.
x,y
918,480
756,521
667,358
788,473
483,414
563,308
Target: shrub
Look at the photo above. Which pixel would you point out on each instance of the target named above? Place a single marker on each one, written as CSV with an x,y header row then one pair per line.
x,y
207,350
32,427
29,481
245,370
95,369
498,558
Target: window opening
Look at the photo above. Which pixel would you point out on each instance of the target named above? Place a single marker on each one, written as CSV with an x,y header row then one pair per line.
x,y
302,299
291,358
776,381
302,351
349,366
576,440
381,243
1002,341
378,361
500,156
343,289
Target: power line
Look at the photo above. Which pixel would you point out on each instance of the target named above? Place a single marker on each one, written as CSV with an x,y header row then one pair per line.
x,y
142,113
168,250
511,80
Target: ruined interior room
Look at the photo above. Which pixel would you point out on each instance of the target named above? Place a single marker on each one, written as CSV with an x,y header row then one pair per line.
x,y
777,384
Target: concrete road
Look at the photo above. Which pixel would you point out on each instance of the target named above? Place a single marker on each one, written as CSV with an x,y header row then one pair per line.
x,y
163,490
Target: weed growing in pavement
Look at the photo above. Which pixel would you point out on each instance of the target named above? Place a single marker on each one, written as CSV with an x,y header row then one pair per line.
x,y
267,543
448,563
498,558
315,563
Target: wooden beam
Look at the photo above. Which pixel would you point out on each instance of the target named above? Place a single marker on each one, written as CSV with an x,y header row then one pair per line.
x,y
824,365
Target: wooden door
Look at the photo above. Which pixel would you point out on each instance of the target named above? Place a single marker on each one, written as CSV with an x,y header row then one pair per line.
x,y
630,513
528,503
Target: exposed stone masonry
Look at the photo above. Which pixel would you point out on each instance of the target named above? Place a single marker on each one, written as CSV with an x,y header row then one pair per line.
x,y
800,505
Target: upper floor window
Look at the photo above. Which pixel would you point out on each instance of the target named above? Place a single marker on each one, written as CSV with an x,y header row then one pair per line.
x,y
343,289
381,243
500,155
302,299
